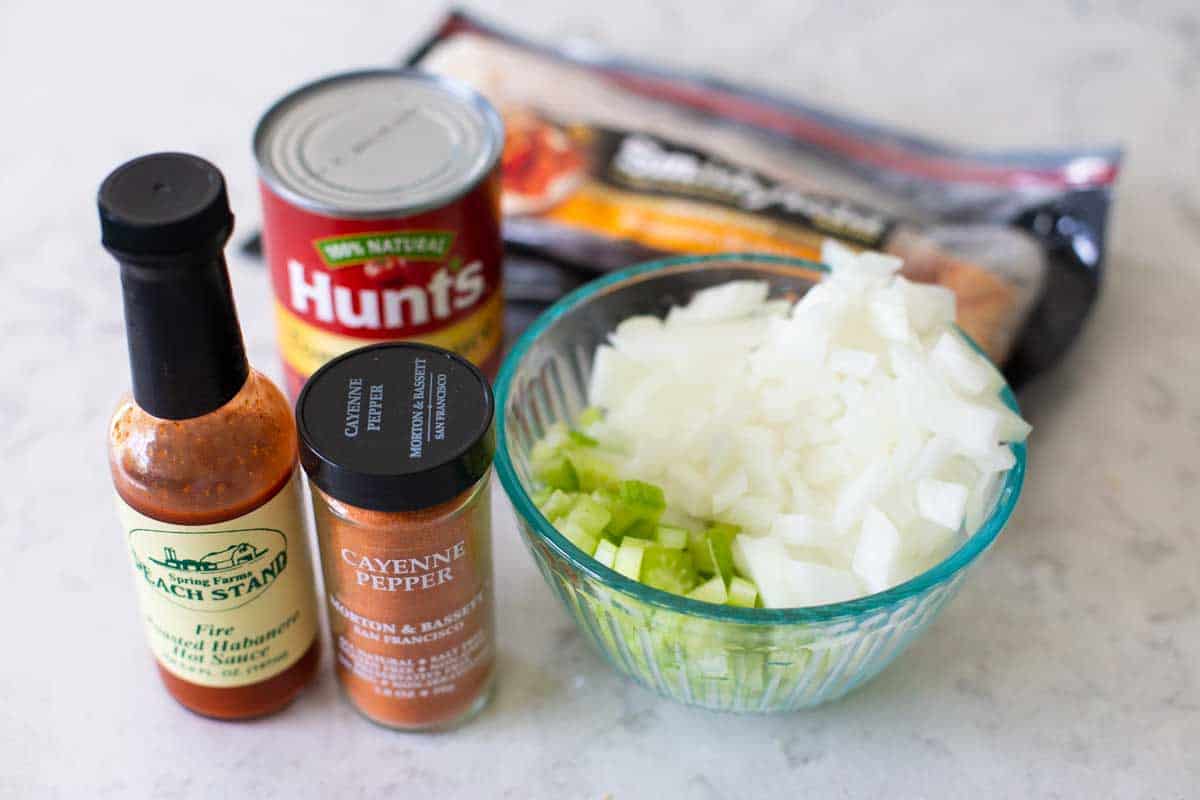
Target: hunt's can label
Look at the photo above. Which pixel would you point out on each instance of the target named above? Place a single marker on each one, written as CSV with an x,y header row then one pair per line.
x,y
381,217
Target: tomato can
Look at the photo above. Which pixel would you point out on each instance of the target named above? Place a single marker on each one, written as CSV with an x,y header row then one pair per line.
x,y
381,217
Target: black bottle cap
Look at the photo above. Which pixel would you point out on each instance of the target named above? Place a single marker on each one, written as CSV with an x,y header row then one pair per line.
x,y
164,203
166,218
397,426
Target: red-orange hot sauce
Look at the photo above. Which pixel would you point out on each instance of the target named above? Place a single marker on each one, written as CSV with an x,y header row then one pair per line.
x,y
204,471
203,456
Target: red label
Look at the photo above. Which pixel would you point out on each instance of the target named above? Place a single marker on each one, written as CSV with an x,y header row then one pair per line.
x,y
383,279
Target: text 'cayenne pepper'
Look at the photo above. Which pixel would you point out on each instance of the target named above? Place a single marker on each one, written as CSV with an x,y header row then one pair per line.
x,y
397,442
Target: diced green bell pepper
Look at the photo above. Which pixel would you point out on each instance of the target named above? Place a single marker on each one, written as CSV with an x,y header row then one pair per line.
x,y
668,569
720,544
711,591
712,551
589,417
674,538
606,553
558,504
629,558
589,515
742,593
592,470
581,439
577,536
557,472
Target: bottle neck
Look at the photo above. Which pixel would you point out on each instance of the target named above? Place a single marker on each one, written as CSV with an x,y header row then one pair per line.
x,y
185,346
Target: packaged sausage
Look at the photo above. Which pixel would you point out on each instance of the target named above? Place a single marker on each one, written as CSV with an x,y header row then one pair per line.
x,y
608,162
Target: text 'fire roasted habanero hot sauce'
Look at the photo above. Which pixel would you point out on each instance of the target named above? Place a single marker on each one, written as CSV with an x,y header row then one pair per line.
x,y
397,442
203,456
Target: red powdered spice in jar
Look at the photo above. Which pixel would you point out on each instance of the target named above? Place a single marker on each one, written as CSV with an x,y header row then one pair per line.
x,y
397,442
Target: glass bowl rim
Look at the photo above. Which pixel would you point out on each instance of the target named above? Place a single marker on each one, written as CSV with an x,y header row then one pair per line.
x,y
943,571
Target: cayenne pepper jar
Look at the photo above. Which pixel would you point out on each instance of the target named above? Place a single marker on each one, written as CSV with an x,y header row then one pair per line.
x,y
397,442
203,456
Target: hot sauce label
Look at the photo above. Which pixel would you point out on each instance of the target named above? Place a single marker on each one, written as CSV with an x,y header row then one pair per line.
x,y
339,284
228,604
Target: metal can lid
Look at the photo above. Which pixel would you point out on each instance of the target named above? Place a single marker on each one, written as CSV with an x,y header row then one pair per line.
x,y
378,143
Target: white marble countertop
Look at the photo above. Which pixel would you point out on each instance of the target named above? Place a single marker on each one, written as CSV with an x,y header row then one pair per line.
x,y
1069,665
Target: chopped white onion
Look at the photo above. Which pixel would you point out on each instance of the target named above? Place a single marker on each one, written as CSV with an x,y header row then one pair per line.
x,y
852,434
855,363
813,584
957,362
942,502
877,552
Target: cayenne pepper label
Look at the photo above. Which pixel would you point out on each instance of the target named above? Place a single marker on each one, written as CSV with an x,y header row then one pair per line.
x,y
412,623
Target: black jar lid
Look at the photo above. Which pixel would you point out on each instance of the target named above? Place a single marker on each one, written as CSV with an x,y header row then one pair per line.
x,y
397,426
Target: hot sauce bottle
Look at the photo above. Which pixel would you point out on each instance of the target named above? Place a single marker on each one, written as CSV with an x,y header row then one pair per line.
x,y
204,455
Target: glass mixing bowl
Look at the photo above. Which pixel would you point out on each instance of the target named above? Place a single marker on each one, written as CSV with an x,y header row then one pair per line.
x,y
717,657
